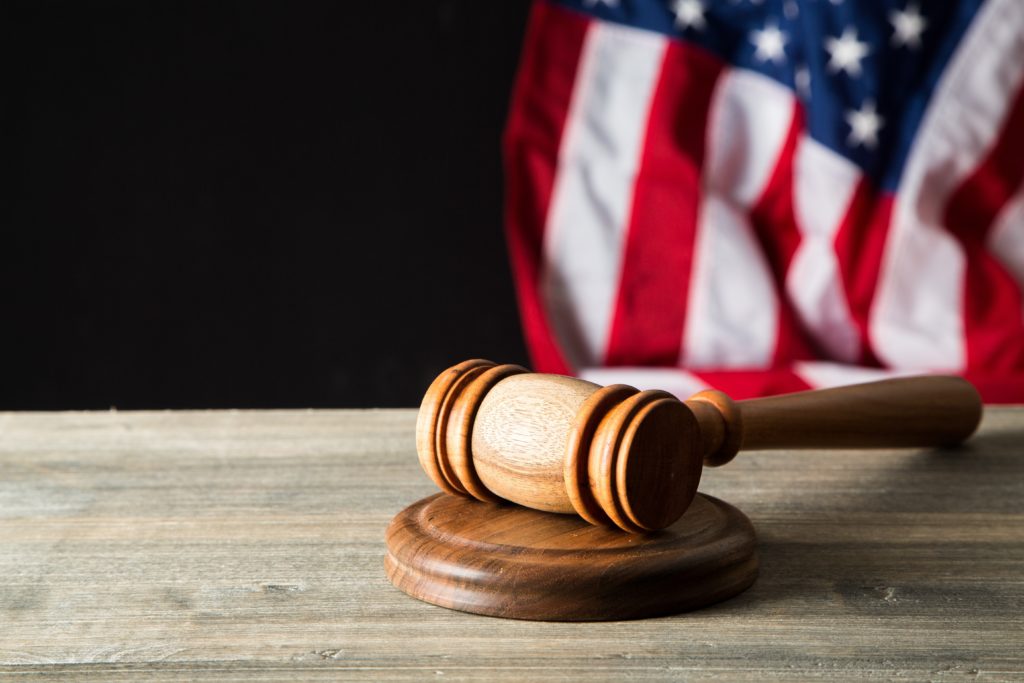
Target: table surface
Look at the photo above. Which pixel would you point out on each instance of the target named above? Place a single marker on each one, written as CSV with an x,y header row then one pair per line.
x,y
249,545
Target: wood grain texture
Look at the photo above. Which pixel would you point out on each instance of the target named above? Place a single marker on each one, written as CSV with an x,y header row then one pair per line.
x,y
520,437
249,546
513,562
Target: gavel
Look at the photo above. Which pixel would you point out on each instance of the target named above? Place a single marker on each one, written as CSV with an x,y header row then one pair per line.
x,y
619,456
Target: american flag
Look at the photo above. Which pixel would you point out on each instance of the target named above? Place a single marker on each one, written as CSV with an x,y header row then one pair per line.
x,y
770,196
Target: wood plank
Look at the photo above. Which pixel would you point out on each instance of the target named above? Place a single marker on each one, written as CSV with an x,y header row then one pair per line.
x,y
249,545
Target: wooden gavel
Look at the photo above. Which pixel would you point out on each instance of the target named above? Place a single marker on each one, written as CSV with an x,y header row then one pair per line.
x,y
617,455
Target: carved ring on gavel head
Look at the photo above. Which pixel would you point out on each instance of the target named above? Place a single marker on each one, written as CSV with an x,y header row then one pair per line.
x,y
619,456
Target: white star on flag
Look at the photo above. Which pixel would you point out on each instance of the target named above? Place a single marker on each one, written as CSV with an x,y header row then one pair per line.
x,y
689,14
770,44
907,27
846,52
864,125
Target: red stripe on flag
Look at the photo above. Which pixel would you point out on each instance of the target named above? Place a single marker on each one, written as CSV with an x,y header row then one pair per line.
x,y
859,245
533,134
993,324
774,222
650,311
741,384
996,387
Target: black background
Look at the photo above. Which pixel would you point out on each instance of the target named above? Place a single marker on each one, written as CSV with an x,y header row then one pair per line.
x,y
252,204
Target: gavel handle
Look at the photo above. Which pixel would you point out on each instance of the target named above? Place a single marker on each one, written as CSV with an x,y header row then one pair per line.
x,y
913,411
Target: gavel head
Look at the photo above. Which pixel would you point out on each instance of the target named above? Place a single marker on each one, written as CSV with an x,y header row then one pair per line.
x,y
613,455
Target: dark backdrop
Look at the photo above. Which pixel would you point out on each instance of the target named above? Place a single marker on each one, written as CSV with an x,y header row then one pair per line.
x,y
252,204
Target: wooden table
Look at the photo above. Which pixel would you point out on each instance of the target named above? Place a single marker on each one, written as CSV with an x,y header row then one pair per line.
x,y
249,545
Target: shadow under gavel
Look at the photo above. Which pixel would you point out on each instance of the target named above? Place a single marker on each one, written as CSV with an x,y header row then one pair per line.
x,y
619,456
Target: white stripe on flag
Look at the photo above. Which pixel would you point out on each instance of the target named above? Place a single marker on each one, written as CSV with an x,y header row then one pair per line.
x,y
1006,239
732,312
676,382
593,191
824,375
825,183
917,317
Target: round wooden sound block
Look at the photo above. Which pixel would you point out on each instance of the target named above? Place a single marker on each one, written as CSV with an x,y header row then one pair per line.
x,y
510,561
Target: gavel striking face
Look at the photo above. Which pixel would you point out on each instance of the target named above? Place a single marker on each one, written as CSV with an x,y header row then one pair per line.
x,y
619,456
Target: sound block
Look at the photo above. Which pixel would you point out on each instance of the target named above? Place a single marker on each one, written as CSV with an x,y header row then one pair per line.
x,y
509,561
